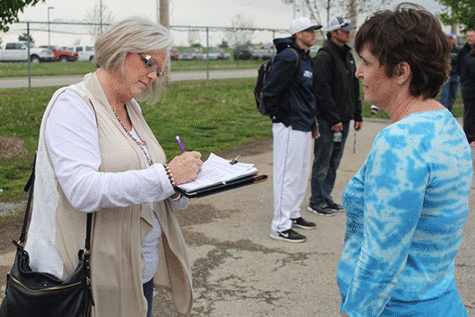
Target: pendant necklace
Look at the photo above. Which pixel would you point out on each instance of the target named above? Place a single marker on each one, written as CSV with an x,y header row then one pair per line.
x,y
141,144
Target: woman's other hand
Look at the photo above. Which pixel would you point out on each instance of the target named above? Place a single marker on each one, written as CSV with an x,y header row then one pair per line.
x,y
186,167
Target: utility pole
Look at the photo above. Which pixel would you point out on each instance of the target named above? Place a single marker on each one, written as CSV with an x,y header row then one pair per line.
x,y
157,11
100,13
49,42
453,27
353,18
164,19
295,9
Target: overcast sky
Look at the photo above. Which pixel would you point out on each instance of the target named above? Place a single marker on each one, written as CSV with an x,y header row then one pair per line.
x,y
264,13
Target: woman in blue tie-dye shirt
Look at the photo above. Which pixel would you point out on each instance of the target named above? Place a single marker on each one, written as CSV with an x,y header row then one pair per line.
x,y
408,204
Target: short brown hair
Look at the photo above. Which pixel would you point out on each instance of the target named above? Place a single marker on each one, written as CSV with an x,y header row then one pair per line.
x,y
409,34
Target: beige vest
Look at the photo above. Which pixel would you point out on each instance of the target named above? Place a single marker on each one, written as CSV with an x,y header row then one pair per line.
x,y
117,262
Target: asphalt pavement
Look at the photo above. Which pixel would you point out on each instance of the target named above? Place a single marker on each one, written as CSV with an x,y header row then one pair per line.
x,y
239,271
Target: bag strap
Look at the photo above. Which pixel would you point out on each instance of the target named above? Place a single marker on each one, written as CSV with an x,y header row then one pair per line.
x,y
299,63
298,58
29,188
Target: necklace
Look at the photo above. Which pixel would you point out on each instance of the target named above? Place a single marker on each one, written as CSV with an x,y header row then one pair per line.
x,y
141,144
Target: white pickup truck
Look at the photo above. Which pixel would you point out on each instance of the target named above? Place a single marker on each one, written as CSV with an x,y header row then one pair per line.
x,y
85,53
263,52
18,52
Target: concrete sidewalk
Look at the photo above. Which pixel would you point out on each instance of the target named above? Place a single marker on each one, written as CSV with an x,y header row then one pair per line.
x,y
64,80
239,271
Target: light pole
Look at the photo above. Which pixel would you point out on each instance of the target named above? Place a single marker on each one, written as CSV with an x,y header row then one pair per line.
x,y
49,43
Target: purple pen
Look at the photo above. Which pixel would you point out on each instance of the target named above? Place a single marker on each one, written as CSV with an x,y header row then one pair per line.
x,y
181,143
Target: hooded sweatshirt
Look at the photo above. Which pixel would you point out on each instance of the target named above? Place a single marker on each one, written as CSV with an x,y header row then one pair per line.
x,y
288,92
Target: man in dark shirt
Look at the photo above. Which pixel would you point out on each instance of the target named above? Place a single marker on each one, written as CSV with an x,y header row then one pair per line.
x,y
449,92
338,102
289,99
467,86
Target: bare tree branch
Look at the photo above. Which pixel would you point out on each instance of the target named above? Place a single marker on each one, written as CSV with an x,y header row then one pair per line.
x,y
193,37
94,17
238,36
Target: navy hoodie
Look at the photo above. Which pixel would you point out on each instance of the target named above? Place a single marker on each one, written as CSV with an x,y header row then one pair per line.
x,y
467,77
288,92
466,71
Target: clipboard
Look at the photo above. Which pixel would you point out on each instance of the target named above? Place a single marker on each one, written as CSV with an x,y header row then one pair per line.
x,y
219,188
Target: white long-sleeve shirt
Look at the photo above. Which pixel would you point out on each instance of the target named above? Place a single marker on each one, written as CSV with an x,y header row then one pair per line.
x,y
72,140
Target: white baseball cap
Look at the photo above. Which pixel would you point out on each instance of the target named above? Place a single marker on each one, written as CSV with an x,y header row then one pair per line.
x,y
303,24
337,23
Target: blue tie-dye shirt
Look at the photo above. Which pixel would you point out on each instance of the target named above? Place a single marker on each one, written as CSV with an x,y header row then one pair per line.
x,y
406,208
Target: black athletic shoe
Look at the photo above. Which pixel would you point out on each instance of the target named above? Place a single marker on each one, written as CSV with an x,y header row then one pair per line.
x,y
288,235
322,211
303,224
336,207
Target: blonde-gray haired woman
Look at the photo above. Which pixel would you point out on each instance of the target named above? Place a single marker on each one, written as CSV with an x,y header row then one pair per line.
x,y
97,155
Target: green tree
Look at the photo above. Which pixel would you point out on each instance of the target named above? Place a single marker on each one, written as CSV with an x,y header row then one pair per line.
x,y
224,44
462,13
9,11
24,37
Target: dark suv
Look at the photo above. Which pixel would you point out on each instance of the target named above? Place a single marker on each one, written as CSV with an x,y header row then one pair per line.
x,y
242,52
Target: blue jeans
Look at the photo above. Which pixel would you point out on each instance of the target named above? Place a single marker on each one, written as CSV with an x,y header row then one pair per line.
x,y
449,92
148,293
326,162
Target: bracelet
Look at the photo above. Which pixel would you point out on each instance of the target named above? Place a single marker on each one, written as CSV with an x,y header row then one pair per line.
x,y
169,174
177,198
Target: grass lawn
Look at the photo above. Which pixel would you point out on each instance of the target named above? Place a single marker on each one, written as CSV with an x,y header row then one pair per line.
x,y
208,118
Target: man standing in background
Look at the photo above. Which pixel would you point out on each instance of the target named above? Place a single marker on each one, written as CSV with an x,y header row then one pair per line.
x,y
338,102
449,92
289,100
467,87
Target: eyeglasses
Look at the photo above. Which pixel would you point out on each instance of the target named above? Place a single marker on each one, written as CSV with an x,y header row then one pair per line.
x,y
151,64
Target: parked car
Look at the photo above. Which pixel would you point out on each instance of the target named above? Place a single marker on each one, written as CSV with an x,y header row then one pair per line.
x,y
192,53
218,53
62,55
263,52
243,53
18,52
174,54
85,53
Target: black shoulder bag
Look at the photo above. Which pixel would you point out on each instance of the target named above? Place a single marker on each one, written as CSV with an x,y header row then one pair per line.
x,y
36,294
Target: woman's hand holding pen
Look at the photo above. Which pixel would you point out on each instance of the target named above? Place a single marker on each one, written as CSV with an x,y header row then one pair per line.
x,y
186,167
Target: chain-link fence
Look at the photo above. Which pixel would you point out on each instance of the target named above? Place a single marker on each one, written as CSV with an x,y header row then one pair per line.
x,y
71,34
67,34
